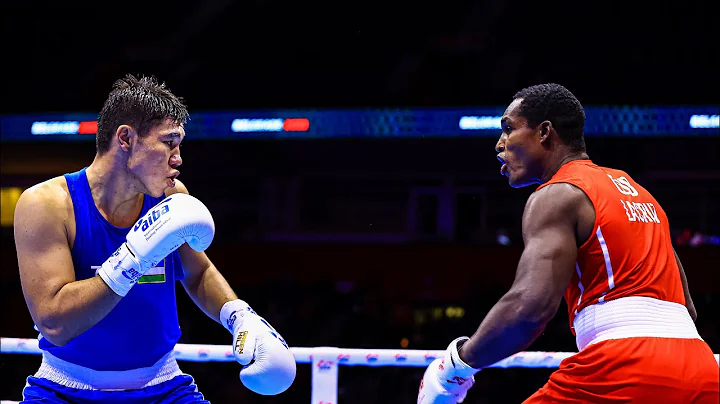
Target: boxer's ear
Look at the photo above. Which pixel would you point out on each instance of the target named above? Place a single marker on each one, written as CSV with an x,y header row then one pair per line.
x,y
125,136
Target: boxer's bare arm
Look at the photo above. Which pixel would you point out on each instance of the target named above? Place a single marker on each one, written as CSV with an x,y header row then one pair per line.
x,y
61,307
544,272
203,282
688,299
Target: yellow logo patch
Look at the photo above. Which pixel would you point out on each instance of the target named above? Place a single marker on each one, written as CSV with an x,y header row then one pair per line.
x,y
240,343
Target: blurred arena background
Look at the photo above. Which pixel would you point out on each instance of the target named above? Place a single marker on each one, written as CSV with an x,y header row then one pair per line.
x,y
345,150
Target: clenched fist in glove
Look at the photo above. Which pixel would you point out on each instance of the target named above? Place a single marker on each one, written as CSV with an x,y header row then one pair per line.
x,y
447,379
176,220
268,364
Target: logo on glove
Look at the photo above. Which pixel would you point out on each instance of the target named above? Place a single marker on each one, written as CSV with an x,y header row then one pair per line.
x,y
151,217
457,380
274,333
240,343
132,274
231,321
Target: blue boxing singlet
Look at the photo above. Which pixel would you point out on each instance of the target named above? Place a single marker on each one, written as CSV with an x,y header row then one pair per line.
x,y
144,326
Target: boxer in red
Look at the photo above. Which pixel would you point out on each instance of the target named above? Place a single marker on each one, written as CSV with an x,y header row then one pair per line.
x,y
597,236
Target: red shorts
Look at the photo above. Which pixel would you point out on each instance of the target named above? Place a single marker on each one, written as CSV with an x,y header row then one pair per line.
x,y
636,370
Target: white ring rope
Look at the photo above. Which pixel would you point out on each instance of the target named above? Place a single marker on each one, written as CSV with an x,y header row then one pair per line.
x,y
325,360
343,356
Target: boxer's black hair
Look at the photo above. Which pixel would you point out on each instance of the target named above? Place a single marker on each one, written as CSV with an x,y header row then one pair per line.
x,y
555,103
138,102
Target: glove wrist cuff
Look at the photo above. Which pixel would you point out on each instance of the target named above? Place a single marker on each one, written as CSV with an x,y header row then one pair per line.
x,y
121,270
232,313
459,367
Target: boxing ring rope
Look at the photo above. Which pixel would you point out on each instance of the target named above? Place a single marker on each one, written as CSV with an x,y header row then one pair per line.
x,y
325,360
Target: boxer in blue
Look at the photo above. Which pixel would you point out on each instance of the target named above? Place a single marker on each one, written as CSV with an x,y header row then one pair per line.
x,y
99,251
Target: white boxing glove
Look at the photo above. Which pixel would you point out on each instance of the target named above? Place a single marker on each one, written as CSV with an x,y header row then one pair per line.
x,y
447,379
268,365
176,220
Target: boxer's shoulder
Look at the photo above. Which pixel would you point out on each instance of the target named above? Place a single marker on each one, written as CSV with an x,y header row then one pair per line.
x,y
48,201
51,196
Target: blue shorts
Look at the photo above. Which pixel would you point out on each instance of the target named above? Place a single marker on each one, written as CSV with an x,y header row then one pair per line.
x,y
179,390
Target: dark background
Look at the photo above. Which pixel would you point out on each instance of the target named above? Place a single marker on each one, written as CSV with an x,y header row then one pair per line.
x,y
382,262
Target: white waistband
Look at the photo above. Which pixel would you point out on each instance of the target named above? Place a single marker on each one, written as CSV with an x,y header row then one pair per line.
x,y
74,376
634,316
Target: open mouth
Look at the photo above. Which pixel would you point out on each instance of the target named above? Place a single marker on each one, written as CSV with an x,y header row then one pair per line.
x,y
171,180
504,167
